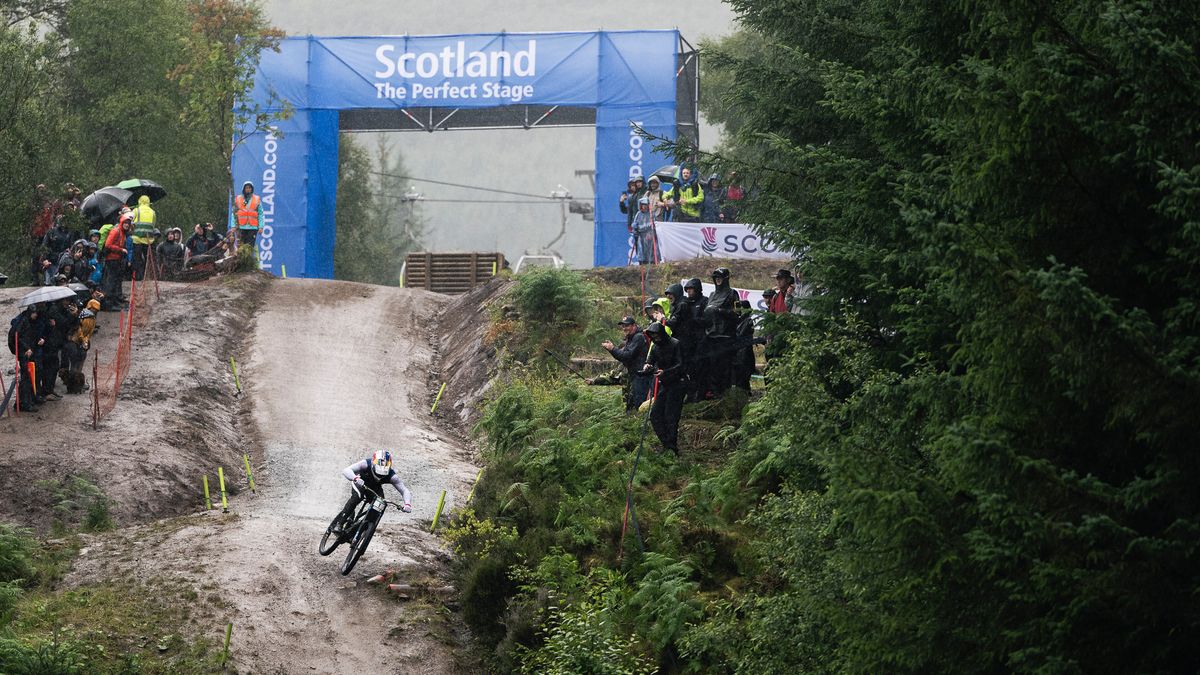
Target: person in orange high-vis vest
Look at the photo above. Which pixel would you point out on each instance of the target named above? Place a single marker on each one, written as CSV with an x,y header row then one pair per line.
x,y
247,208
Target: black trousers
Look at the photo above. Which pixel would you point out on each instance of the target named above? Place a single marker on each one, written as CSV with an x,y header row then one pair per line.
x,y
112,282
664,414
39,277
716,363
25,392
48,371
247,237
693,384
139,260
743,368
352,503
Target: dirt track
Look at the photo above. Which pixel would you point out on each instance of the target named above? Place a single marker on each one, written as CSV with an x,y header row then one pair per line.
x,y
334,371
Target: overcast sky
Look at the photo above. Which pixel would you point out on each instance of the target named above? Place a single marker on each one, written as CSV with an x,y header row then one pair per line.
x,y
534,161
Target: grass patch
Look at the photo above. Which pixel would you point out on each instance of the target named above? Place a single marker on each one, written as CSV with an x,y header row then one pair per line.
x,y
117,628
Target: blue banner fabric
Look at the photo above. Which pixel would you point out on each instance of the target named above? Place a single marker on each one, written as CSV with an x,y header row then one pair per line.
x,y
628,76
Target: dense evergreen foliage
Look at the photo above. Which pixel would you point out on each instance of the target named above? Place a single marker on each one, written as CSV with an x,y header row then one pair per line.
x,y
975,452
978,453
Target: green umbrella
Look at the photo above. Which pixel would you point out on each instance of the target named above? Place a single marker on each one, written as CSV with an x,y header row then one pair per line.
x,y
141,186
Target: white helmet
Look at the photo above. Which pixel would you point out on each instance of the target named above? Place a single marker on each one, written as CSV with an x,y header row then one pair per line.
x,y
381,463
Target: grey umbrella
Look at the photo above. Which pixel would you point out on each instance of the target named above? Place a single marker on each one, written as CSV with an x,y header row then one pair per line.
x,y
46,294
99,206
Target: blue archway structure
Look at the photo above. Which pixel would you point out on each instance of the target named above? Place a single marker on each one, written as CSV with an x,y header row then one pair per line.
x,y
612,79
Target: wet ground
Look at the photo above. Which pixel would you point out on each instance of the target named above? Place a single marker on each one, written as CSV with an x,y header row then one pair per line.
x,y
331,371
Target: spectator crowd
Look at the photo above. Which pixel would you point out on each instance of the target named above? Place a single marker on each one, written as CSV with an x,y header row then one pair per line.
x,y
694,348
51,340
657,199
64,250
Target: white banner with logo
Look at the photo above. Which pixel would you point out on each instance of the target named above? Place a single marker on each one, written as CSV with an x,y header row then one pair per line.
x,y
684,241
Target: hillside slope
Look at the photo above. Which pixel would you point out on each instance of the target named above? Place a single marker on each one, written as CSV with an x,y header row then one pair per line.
x,y
331,371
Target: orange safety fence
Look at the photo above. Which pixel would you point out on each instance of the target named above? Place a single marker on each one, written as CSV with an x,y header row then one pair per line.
x,y
108,376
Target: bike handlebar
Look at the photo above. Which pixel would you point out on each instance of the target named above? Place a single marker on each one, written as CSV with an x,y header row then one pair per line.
x,y
360,491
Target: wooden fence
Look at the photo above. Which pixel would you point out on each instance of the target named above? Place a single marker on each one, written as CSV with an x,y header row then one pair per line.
x,y
450,272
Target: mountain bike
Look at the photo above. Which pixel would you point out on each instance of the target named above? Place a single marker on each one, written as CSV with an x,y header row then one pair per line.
x,y
357,529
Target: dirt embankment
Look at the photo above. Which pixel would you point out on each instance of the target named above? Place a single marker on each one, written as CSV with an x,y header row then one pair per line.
x,y
465,360
331,372
177,416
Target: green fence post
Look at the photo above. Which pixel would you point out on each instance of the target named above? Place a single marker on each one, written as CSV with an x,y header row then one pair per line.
x,y
249,473
472,492
236,382
228,634
439,398
441,503
224,501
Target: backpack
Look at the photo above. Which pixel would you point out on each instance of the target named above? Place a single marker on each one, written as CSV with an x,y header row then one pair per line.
x,y
12,334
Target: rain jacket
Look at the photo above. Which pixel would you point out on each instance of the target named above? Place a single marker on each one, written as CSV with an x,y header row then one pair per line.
x,y
170,255
113,244
631,353
656,197
719,314
29,331
67,260
691,196
710,210
143,221
667,356
665,305
682,320
57,240
64,324
82,335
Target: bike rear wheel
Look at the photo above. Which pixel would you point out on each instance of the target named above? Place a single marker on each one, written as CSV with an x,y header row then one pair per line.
x,y
359,545
329,540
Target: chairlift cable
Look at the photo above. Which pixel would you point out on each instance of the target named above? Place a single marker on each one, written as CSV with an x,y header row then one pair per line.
x,y
469,187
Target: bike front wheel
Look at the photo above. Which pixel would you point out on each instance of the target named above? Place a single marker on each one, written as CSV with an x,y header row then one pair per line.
x,y
359,546
329,540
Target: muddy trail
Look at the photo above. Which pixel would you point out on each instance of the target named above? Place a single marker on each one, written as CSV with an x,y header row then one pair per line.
x,y
331,372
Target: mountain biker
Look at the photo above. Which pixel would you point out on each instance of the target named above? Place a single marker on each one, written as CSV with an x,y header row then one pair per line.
x,y
368,476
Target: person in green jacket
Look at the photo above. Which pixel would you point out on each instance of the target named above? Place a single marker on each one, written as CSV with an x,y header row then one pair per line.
x,y
688,196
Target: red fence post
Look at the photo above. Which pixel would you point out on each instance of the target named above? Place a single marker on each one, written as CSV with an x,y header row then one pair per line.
x,y
95,391
17,376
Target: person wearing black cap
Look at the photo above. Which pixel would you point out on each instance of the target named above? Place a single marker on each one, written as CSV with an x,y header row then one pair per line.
x,y
632,355
687,326
766,299
665,363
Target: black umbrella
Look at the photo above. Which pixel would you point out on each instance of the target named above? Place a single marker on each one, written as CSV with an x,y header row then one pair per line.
x,y
141,186
100,206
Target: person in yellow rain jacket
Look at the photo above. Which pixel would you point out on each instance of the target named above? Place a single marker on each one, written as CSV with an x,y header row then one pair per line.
x,y
143,235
